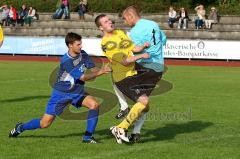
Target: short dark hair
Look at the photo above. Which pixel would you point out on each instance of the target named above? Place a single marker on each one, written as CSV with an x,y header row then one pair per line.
x,y
97,19
72,37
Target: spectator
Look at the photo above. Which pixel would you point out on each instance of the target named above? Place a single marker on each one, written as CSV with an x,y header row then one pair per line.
x,y
4,15
59,12
172,16
12,19
200,16
22,14
212,18
183,19
66,9
82,9
30,16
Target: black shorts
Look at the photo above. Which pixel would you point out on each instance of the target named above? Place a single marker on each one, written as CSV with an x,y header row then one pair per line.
x,y
142,83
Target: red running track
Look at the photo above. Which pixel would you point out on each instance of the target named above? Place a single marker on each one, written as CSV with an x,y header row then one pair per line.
x,y
97,59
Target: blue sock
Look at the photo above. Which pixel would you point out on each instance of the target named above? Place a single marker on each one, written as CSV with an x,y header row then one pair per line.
x,y
31,125
91,123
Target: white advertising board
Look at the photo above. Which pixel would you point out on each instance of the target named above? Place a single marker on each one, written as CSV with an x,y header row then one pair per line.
x,y
191,49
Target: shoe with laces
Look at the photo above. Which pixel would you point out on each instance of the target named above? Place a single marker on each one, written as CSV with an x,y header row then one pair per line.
x,y
16,131
120,134
114,132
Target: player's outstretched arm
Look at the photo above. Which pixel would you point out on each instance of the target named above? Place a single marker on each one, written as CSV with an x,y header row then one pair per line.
x,y
94,74
129,60
141,48
95,69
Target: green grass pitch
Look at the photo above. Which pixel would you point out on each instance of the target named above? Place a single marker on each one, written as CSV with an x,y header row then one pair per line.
x,y
197,119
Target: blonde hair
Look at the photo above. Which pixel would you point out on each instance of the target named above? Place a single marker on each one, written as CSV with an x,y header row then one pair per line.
x,y
132,10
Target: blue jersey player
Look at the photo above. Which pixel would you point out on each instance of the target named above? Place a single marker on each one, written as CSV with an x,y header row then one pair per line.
x,y
69,89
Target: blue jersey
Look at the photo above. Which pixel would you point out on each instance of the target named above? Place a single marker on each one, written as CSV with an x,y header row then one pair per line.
x,y
149,31
70,71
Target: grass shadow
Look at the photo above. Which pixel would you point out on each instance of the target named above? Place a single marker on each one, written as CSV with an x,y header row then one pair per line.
x,y
169,131
103,134
22,99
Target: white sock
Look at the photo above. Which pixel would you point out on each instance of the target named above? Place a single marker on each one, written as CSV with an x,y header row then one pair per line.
x,y
139,123
121,98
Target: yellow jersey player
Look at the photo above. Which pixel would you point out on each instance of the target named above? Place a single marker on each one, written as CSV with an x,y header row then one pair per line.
x,y
119,49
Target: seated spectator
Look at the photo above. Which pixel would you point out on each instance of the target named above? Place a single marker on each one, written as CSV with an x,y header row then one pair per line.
x,y
30,16
172,16
22,14
59,10
82,9
66,9
212,18
12,16
183,19
199,22
4,15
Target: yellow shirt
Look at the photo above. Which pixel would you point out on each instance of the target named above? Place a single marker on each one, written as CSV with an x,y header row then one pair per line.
x,y
1,34
117,47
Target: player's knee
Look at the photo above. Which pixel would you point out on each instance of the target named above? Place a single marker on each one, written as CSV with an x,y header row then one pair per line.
x,y
45,123
143,99
94,105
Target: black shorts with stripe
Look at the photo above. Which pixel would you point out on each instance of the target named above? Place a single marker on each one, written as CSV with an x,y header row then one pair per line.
x,y
142,83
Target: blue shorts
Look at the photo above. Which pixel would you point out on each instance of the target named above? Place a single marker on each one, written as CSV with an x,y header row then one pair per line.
x,y
59,101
